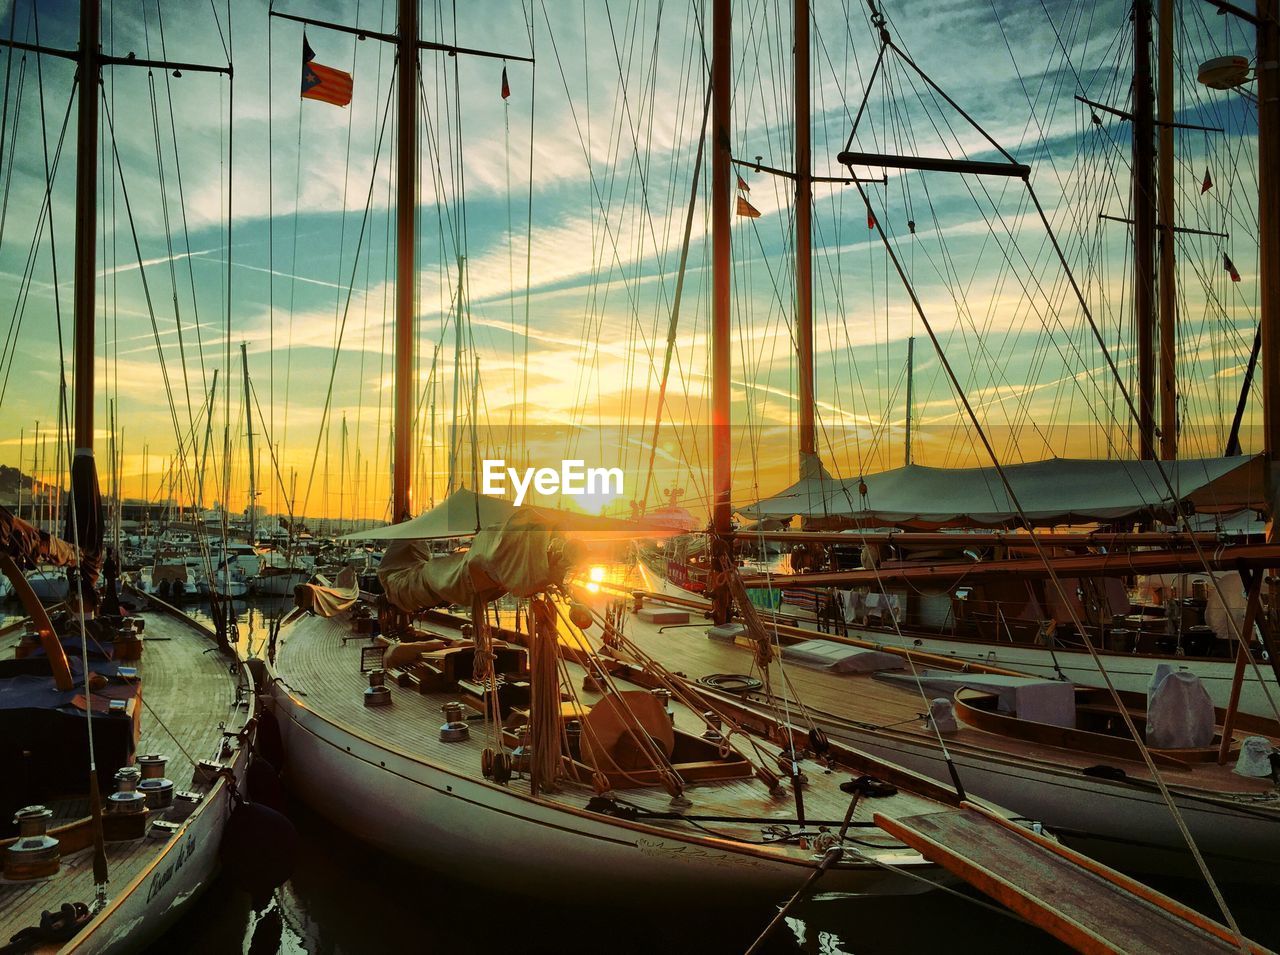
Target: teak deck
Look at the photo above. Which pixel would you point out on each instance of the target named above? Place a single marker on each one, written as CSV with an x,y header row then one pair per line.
x,y
186,693
323,670
862,700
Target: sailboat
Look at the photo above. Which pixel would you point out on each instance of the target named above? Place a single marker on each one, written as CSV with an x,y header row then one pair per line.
x,y
528,754
112,811
956,530
1096,785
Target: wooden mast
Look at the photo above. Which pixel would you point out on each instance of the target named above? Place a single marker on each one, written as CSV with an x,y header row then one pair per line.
x,y
407,46
911,368
248,420
406,256
1144,224
1168,279
86,249
1268,77
809,466
721,160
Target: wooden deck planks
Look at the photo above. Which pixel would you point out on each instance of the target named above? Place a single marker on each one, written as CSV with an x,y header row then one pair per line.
x,y
315,662
862,699
1078,904
186,693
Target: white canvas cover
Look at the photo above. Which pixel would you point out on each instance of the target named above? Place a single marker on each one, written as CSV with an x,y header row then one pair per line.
x,y
1179,713
523,556
1055,491
1255,757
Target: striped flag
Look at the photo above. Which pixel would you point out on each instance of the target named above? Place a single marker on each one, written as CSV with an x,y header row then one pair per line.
x,y
747,209
323,82
1230,267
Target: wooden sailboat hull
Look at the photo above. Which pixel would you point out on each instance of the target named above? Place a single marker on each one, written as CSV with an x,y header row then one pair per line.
x,y
484,833
153,882
1123,823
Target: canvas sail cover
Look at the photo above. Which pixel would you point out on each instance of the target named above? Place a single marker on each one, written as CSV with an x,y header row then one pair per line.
x,y
526,554
28,545
1056,491
329,600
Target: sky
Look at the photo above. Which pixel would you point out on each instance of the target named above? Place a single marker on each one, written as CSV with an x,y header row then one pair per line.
x,y
231,211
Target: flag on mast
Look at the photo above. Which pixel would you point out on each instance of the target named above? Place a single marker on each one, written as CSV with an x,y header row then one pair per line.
x,y
1230,267
506,87
1207,184
747,209
742,185
323,82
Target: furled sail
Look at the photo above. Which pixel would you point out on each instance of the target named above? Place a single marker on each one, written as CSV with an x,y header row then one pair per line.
x,y
1056,491
28,545
526,554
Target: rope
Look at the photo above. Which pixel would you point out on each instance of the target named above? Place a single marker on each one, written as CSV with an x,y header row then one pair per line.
x,y
1053,576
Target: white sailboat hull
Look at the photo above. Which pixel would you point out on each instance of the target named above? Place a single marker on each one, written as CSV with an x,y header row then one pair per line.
x,y
49,586
139,913
279,585
1127,671
482,832
1125,824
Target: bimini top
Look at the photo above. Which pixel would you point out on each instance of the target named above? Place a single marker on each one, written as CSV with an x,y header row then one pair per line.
x,y
1056,491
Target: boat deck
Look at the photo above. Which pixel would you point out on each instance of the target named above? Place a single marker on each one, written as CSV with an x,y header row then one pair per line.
x,y
863,701
187,692
323,671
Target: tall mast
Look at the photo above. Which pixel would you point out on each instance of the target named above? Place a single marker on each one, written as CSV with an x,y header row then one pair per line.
x,y
406,254
721,445
911,350
1168,280
248,420
1144,224
804,242
454,440
1268,77
407,46
86,250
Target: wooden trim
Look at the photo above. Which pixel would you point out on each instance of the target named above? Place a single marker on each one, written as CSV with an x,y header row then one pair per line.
x,y
1049,735
1060,926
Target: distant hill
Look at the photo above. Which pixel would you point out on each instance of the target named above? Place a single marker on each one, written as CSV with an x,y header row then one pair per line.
x,y
12,478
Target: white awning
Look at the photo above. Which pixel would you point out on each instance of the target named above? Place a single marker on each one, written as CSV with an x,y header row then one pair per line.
x,y
1056,491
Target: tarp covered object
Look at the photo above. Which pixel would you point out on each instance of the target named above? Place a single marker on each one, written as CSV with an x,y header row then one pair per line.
x,y
85,522
1056,491
524,556
28,545
329,600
